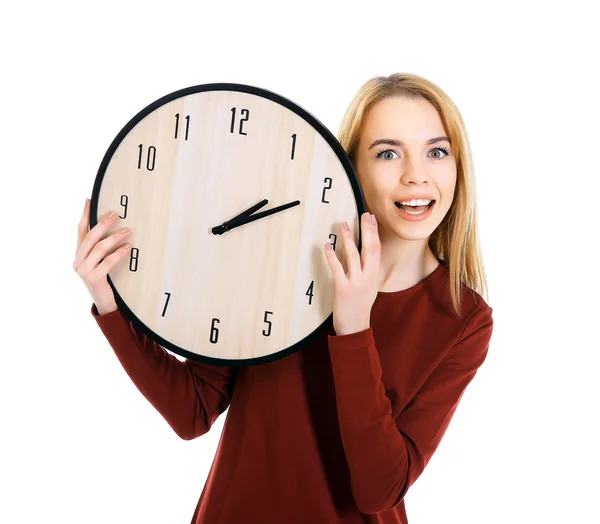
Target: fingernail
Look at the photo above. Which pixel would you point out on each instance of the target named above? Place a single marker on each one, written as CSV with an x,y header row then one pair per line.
x,y
112,214
345,226
373,220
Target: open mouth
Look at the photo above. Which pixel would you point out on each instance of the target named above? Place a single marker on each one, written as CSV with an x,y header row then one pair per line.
x,y
414,210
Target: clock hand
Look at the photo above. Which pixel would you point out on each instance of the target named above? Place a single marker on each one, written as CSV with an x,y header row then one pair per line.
x,y
241,220
244,220
219,230
249,211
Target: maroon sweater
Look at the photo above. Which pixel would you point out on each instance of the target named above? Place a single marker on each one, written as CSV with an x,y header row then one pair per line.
x,y
338,431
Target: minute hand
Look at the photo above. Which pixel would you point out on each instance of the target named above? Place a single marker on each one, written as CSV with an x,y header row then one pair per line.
x,y
219,230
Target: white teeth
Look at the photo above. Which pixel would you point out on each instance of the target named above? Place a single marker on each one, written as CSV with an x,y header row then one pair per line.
x,y
414,212
415,202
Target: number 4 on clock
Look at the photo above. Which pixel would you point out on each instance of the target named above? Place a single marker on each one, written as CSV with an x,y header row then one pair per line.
x,y
309,292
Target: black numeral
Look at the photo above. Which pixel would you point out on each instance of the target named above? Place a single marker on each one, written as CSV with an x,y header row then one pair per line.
x,y
268,333
243,112
325,189
187,125
334,240
214,331
166,303
133,258
293,145
124,200
309,292
150,157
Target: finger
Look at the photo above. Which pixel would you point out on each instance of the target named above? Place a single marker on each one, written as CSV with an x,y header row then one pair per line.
x,y
107,264
101,250
371,246
92,237
352,254
84,224
334,264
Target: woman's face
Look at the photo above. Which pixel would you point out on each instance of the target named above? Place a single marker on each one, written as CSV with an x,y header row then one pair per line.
x,y
395,162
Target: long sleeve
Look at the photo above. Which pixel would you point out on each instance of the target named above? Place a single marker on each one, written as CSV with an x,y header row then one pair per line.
x,y
189,395
386,455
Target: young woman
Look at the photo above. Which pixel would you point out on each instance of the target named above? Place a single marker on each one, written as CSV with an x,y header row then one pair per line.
x,y
339,431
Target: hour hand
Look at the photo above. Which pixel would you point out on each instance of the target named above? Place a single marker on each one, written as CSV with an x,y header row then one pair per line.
x,y
242,219
225,226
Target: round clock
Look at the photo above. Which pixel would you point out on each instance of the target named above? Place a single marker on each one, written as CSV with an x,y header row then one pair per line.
x,y
230,192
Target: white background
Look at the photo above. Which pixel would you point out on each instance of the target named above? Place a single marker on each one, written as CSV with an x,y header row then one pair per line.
x,y
81,444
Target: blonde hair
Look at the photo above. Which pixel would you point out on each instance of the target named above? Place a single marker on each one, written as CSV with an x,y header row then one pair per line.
x,y
455,240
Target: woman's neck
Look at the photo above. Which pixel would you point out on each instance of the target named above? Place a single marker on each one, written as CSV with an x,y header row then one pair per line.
x,y
404,264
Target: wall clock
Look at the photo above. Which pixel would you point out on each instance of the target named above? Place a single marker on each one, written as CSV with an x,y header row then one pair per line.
x,y
230,192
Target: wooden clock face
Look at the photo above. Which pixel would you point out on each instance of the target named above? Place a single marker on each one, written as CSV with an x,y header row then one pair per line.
x,y
195,159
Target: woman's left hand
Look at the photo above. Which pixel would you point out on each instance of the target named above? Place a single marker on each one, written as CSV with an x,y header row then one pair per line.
x,y
356,290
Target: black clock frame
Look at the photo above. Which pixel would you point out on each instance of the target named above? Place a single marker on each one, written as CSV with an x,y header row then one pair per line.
x,y
222,86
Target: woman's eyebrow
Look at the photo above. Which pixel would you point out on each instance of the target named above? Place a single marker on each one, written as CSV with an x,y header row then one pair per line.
x,y
399,143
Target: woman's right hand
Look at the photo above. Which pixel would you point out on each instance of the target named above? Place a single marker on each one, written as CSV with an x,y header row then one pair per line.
x,y
96,256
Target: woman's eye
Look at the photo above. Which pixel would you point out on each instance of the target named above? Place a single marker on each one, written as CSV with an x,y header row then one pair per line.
x,y
387,154
441,150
